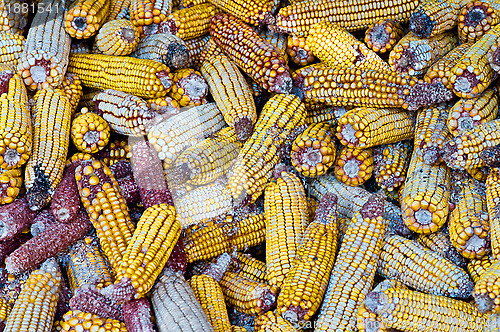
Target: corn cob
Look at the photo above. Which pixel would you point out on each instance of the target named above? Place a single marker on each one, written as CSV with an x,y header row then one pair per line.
x,y
89,299
115,151
118,9
472,74
89,132
272,322
330,115
382,35
370,88
478,267
493,205
143,78
5,309
231,93
253,54
390,162
365,127
85,17
190,3
440,71
313,151
13,17
44,170
83,321
11,48
258,156
164,105
298,51
209,50
298,85
259,12
42,221
477,18
16,218
148,14
354,166
189,88
283,229
117,37
486,291
249,267
44,59
440,242
354,269
190,23
278,40
137,316
15,121
10,184
163,47
463,151
107,210
172,136
336,47
298,18
195,47
246,228
72,87
491,156
87,266
479,173
36,305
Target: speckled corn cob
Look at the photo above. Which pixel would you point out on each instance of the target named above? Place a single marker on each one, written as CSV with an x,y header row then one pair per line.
x,y
478,267
189,88
258,12
116,150
214,237
382,35
493,205
231,93
354,166
89,299
354,269
491,156
298,51
189,23
137,315
15,121
148,14
35,307
118,9
195,47
278,40
336,47
258,156
486,293
76,321
107,210
330,115
253,54
477,18
209,50
370,88
143,78
117,37
89,132
249,267
469,113
17,217
11,48
390,162
79,48
472,74
44,170
84,17
272,322
13,18
163,47
463,151
440,242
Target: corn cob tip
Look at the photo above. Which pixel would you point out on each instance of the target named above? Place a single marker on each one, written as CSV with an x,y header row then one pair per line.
x,y
278,169
282,83
448,151
326,208
425,94
295,314
431,155
374,207
421,24
39,195
217,269
491,156
376,302
243,128
180,174
484,303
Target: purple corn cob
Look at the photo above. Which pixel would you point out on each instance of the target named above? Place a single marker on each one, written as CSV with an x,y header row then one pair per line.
x,y
66,200
137,315
121,169
88,299
178,260
129,189
15,218
42,220
8,246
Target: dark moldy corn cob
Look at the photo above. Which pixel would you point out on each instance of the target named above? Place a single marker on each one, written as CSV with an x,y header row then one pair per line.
x,y
478,267
231,93
163,47
298,51
440,242
84,17
491,156
143,78
493,205
11,48
382,35
117,37
76,320
390,162
189,88
254,55
354,166
477,18
190,22
89,132
313,151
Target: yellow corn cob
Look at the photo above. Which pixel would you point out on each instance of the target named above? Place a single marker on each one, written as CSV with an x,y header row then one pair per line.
x,y
5,309
35,307
117,37
189,88
256,13
116,150
107,209
209,50
10,184
231,93
72,87
78,321
354,166
117,9
286,217
462,152
86,265
486,293
15,120
249,267
477,18
45,56
440,71
305,285
143,78
336,47
390,163
189,23
190,3
440,242
298,51
366,127
195,47
409,310
85,17
278,40
478,267
414,56
14,16
272,322
214,237
146,14
382,35
426,194
299,17
472,74
51,131
163,47
254,166
493,205
329,115
431,132
354,269
468,113
89,132
11,48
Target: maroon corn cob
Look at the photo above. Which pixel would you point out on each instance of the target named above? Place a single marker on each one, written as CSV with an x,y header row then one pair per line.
x,y
66,200
89,299
137,315
43,219
15,217
8,246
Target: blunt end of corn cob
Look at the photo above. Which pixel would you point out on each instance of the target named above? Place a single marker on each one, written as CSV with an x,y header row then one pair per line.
x,y
421,24
475,20
168,26
281,83
494,57
449,152
176,56
374,207
120,292
40,193
426,94
181,173
217,269
491,156
243,128
376,302
383,35
326,209
295,314
484,303
465,83
431,155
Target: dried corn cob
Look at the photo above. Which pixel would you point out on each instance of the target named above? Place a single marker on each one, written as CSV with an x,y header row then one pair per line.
x,y
164,105
11,48
493,205
117,37
72,87
89,132
44,170
246,228
298,18
491,156
249,267
137,316
366,87
382,35
336,47
354,166
463,151
257,13
440,242
253,54
258,156
486,290
278,40
10,184
231,93
190,3
87,98
390,162
146,14
163,47
283,229
189,23
189,88
143,78
272,322
472,74
329,115
440,71
13,16
298,51
478,267
116,150
76,321
79,48
45,56
89,299
5,309
476,19
85,17
354,269
172,136
195,47
35,307
118,9
209,50
469,113
16,218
